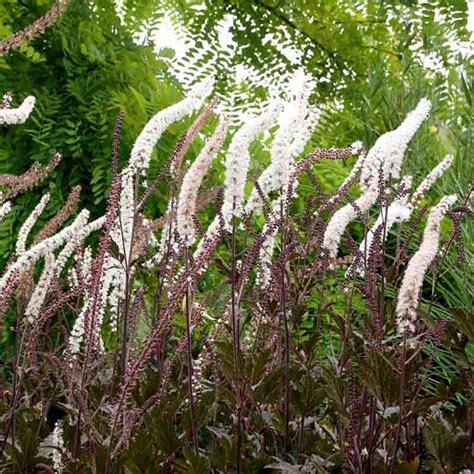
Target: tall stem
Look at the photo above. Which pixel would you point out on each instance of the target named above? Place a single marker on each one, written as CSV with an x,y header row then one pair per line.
x,y
11,425
188,308
401,404
236,344
287,332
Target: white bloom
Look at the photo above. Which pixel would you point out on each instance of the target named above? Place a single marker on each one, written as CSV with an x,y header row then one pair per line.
x,y
266,252
54,267
402,208
386,155
77,333
410,290
296,124
57,442
18,115
86,262
389,149
435,173
398,211
112,278
29,223
122,231
33,254
192,180
146,141
238,161
341,218
5,208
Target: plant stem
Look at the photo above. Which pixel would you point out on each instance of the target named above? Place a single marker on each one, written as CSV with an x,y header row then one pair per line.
x,y
188,304
12,418
401,404
287,333
236,345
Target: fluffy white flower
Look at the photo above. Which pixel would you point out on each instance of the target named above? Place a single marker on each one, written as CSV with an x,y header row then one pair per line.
x,y
122,231
266,251
237,163
410,290
435,173
192,180
57,442
389,149
112,279
77,332
341,218
5,208
398,211
386,155
18,115
296,124
54,267
29,223
402,208
146,141
33,254
238,160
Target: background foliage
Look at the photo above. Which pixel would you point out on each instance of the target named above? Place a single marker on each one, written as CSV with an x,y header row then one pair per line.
x,y
372,62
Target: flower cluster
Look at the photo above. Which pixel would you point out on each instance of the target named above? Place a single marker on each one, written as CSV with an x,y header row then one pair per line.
x,y
296,124
238,160
57,441
29,223
384,159
401,209
12,116
141,152
389,150
5,208
54,267
186,208
410,290
34,253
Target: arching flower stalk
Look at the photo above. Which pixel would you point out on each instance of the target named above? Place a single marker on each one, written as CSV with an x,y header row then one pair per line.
x,y
140,157
238,161
34,253
29,179
410,290
237,164
296,124
122,231
270,233
401,209
430,179
5,208
384,158
34,29
54,267
29,223
146,141
389,150
192,181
